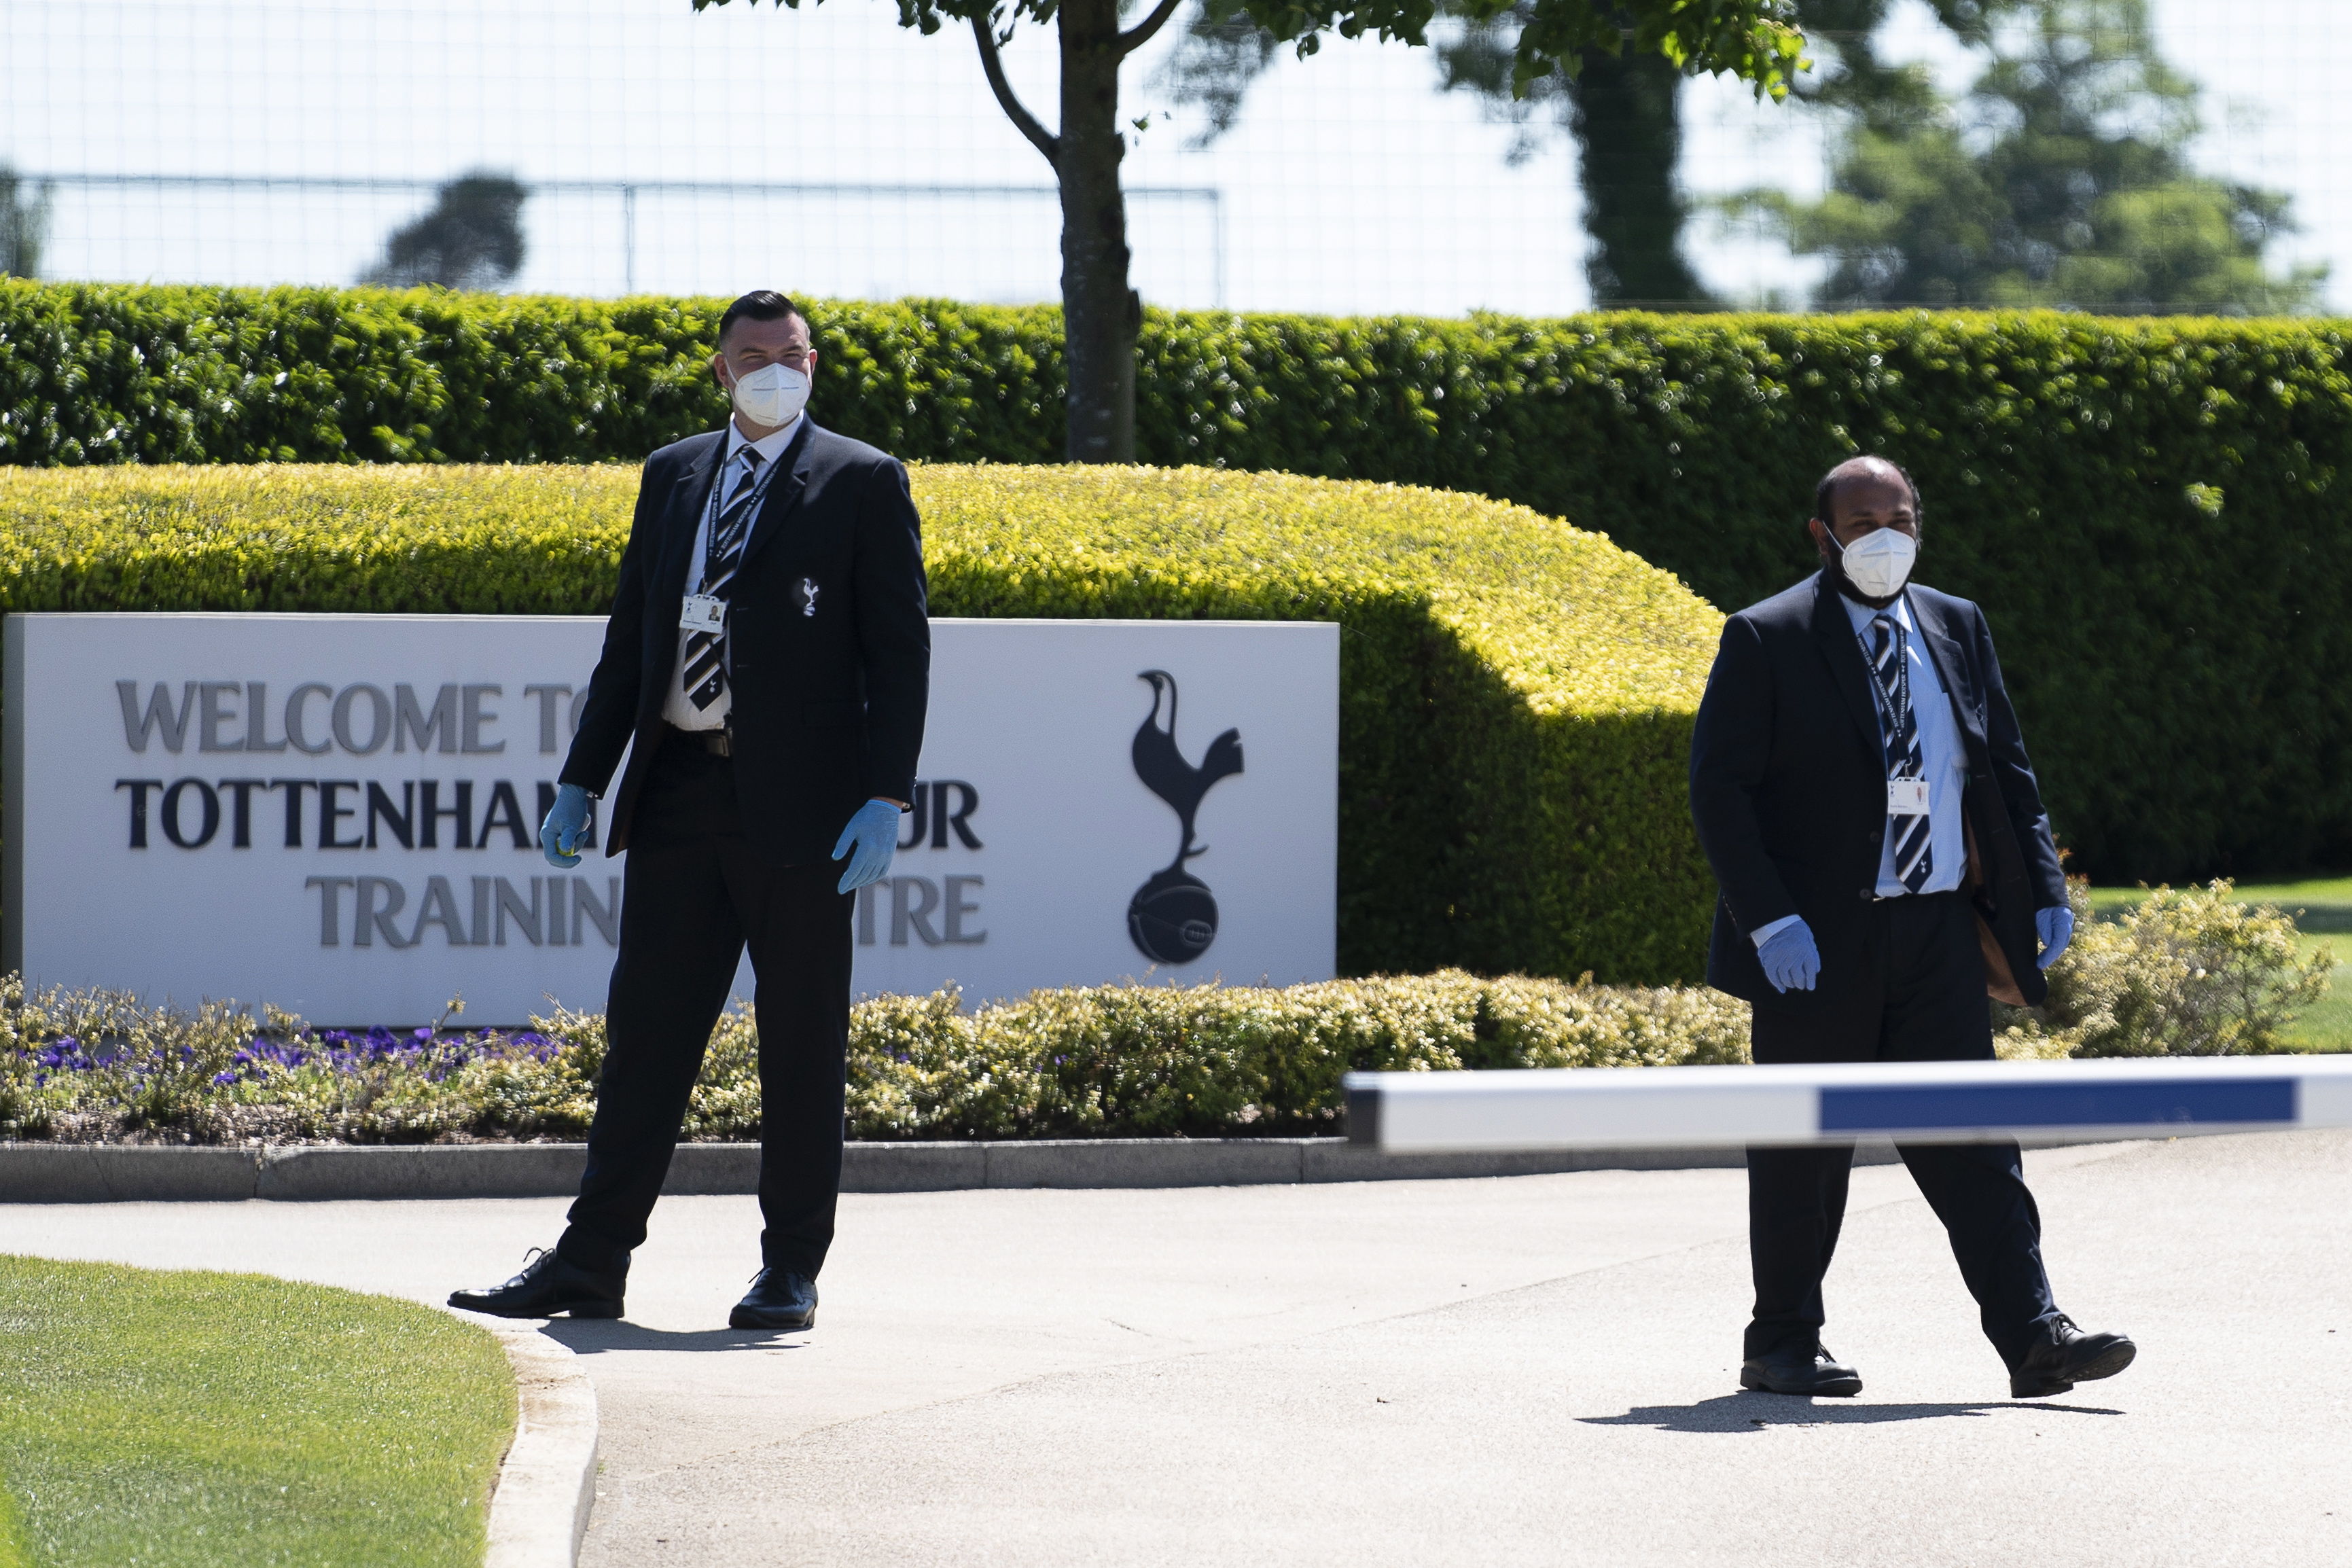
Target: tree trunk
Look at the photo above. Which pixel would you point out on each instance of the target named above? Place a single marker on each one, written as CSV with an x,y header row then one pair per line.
x,y
1628,124
1102,315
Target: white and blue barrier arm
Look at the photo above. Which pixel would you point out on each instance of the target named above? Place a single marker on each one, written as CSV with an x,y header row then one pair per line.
x,y
1951,1102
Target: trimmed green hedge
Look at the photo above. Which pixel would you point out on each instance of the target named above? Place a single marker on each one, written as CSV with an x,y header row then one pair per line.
x,y
1515,694
2149,509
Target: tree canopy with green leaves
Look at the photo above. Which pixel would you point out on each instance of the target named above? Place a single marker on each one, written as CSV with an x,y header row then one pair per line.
x,y
1755,40
1621,107
2063,179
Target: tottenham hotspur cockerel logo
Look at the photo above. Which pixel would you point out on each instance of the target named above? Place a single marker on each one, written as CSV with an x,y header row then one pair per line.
x,y
1172,917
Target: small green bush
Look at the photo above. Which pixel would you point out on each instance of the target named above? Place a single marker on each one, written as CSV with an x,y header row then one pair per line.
x,y
2150,510
1515,694
2185,973
1106,1061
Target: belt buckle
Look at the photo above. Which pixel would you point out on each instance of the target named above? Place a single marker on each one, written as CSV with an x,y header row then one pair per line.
x,y
719,742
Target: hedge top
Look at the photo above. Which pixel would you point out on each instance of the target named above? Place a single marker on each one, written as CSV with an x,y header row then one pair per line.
x,y
1574,623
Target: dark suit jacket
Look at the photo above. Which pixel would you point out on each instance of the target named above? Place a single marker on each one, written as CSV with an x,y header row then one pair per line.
x,y
1787,787
829,692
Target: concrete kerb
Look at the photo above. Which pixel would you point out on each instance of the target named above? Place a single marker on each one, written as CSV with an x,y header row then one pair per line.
x,y
547,1482
66,1173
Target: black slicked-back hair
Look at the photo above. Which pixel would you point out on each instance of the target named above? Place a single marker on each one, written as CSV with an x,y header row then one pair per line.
x,y
1825,493
760,305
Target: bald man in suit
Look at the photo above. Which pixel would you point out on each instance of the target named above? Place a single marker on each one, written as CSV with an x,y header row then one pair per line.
x,y
1862,791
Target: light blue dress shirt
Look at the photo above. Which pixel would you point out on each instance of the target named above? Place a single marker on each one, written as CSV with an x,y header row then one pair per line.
x,y
1942,758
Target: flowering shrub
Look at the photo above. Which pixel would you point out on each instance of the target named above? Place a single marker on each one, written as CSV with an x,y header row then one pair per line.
x,y
2185,974
1096,1062
83,1064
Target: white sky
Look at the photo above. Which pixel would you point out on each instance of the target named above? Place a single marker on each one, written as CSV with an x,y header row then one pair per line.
x,y
1351,184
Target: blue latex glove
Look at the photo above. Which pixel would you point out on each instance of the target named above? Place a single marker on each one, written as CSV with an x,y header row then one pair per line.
x,y
567,819
1791,960
2055,926
874,833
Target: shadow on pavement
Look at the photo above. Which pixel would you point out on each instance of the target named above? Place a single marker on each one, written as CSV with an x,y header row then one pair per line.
x,y
593,1336
1747,1412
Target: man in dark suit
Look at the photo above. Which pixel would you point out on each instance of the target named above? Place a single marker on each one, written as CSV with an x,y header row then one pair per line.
x,y
766,667
1862,793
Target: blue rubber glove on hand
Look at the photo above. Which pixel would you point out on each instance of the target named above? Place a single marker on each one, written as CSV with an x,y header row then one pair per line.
x,y
2055,926
874,832
1791,960
567,819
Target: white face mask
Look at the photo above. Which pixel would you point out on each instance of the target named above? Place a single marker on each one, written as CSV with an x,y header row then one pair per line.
x,y
772,395
1879,563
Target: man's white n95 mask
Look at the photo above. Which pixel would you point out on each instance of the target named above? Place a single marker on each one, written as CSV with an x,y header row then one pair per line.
x,y
772,395
1880,561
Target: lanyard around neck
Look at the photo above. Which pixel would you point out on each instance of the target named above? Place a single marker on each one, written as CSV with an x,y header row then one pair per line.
x,y
757,496
1890,714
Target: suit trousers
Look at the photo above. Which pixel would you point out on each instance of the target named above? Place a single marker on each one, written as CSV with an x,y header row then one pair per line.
x,y
1923,999
695,894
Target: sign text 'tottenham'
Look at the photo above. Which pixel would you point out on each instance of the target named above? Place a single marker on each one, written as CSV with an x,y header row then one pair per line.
x,y
362,719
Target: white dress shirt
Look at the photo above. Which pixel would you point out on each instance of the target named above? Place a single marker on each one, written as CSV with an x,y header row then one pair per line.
x,y
678,708
1942,759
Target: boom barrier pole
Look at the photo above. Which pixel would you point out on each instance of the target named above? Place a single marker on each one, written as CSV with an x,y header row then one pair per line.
x,y
1940,1102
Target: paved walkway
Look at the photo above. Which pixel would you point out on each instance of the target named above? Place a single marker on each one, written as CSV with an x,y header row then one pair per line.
x,y
1533,1370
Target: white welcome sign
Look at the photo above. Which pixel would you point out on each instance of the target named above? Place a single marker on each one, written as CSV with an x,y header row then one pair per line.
x,y
338,815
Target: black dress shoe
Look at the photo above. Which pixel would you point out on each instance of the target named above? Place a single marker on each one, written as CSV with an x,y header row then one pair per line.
x,y
1808,1370
547,1284
2065,1356
778,1299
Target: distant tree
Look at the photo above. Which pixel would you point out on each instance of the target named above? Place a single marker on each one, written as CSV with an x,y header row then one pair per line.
x,y
1624,115
1102,313
2062,179
1621,109
1850,79
1618,103
24,225
471,239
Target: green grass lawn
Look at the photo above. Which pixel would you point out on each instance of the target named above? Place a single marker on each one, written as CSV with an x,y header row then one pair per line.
x,y
211,1419
2323,914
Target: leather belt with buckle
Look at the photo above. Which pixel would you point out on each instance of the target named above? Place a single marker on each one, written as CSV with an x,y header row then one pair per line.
x,y
718,742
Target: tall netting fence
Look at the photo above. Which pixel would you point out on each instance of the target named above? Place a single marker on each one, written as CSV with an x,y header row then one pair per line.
x,y
615,146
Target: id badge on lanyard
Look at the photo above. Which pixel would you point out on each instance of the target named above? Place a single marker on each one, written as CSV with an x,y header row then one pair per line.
x,y
1904,797
708,611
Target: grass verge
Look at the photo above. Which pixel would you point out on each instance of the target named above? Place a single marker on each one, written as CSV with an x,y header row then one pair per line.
x,y
2322,909
199,1419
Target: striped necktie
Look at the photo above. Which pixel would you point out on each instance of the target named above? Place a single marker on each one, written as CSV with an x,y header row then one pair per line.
x,y
1914,860
706,652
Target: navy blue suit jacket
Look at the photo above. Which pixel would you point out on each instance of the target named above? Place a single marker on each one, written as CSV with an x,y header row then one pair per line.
x,y
1788,788
830,688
